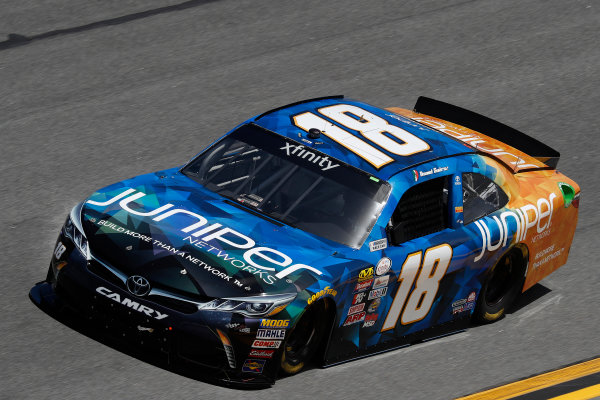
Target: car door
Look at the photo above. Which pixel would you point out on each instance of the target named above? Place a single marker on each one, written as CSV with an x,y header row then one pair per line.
x,y
429,249
441,242
425,281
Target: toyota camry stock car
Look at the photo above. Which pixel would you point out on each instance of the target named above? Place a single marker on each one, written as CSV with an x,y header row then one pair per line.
x,y
325,230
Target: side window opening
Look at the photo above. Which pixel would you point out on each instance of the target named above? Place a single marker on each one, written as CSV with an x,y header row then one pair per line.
x,y
422,210
481,196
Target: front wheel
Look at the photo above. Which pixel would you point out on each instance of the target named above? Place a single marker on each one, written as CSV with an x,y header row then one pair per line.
x,y
304,339
501,288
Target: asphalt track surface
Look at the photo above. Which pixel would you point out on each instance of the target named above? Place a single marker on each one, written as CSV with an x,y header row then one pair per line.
x,y
95,92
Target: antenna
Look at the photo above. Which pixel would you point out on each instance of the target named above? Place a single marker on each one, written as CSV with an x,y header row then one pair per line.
x,y
519,161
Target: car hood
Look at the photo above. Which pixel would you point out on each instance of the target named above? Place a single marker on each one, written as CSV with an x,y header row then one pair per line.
x,y
180,236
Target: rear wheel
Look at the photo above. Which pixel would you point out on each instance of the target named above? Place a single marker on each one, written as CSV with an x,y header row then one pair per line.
x,y
305,338
501,288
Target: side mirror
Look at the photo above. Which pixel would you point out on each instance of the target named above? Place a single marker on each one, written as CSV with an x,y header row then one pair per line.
x,y
395,234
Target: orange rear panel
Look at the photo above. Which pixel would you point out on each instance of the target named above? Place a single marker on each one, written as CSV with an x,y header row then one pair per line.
x,y
516,159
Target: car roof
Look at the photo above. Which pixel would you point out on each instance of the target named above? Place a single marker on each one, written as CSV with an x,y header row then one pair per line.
x,y
281,121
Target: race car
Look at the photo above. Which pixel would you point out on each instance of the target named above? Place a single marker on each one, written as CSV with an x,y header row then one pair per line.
x,y
322,231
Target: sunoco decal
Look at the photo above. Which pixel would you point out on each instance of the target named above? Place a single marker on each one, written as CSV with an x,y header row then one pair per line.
x,y
255,366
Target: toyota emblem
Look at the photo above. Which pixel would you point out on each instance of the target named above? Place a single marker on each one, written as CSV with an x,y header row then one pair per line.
x,y
138,285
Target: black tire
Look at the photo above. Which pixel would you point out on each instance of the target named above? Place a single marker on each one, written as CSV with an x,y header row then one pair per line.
x,y
501,288
305,338
50,278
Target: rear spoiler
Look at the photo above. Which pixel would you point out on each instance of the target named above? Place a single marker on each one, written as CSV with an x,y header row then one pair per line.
x,y
489,127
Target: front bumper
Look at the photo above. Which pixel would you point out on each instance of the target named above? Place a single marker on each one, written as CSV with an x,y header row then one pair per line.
x,y
186,343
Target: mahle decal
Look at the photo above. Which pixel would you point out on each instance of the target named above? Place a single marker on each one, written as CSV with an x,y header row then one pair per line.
x,y
270,334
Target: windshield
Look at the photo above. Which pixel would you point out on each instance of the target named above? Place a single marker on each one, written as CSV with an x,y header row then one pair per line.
x,y
292,183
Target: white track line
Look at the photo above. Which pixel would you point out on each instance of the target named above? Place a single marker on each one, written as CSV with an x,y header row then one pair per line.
x,y
553,300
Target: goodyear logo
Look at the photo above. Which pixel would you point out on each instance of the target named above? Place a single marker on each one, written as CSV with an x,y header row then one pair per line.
x,y
322,293
274,323
365,274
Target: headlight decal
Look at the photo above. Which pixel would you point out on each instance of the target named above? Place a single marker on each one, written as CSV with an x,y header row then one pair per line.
x,y
74,230
251,306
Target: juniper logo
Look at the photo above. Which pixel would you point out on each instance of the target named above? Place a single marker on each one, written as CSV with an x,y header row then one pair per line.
x,y
204,232
300,151
538,215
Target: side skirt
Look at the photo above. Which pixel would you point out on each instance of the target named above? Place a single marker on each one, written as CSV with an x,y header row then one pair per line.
x,y
449,328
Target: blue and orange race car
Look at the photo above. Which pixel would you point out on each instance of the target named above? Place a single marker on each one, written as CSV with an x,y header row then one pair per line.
x,y
325,230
